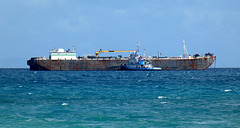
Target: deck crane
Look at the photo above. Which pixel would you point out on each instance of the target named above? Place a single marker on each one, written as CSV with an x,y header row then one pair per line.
x,y
103,51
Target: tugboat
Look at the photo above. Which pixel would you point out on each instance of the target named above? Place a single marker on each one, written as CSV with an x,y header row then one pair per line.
x,y
137,63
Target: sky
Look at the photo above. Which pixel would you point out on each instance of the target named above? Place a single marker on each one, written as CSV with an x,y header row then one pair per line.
x,y
30,28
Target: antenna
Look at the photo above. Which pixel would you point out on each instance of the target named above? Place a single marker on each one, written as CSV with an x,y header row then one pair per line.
x,y
144,53
138,45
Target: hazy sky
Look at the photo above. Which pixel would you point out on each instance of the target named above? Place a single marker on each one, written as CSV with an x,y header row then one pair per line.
x,y
30,28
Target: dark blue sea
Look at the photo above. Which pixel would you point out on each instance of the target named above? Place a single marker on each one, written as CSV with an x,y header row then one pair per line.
x,y
120,99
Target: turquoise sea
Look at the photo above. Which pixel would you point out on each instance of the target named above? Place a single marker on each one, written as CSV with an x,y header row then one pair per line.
x,y
120,99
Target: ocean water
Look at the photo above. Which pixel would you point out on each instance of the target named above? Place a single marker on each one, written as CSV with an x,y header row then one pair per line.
x,y
69,99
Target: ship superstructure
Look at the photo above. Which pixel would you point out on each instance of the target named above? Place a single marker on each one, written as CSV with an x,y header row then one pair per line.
x,y
137,63
62,54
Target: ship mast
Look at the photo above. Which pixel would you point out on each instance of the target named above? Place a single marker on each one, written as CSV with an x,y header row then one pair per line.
x,y
184,49
74,49
138,44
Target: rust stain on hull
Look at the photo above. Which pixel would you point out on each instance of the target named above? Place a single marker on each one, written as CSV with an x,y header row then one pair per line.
x,y
200,63
184,64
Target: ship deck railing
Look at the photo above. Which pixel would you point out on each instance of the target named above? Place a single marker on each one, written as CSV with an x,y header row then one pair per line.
x,y
102,58
124,58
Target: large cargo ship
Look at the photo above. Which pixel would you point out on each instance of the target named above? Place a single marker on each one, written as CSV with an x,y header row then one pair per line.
x,y
67,60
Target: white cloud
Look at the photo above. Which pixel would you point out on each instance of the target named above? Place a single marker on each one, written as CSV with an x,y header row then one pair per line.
x,y
120,11
66,24
38,3
2,21
74,24
220,19
192,16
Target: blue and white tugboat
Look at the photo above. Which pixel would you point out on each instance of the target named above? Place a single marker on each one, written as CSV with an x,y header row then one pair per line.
x,y
136,62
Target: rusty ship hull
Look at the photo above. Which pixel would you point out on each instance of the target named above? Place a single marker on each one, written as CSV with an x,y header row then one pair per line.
x,y
108,64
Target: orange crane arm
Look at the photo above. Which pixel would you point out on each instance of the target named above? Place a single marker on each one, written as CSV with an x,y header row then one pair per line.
x,y
101,51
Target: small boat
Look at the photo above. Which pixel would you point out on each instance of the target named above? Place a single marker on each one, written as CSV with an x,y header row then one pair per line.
x,y
136,62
